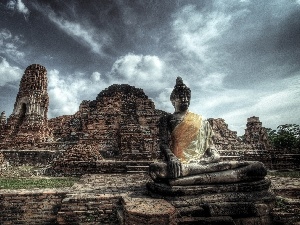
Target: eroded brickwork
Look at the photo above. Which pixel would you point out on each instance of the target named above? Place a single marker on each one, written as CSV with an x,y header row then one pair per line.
x,y
2,128
255,138
31,207
226,139
256,135
121,123
28,124
2,118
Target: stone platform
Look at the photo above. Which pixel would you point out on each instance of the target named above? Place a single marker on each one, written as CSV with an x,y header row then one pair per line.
x,y
246,187
234,204
243,203
123,198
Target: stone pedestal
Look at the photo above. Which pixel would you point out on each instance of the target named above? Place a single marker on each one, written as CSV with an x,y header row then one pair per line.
x,y
243,203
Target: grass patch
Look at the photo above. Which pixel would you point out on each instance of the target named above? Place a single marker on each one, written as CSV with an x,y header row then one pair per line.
x,y
292,174
28,183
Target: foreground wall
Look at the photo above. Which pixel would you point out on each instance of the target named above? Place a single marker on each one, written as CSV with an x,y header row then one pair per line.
x,y
30,207
56,206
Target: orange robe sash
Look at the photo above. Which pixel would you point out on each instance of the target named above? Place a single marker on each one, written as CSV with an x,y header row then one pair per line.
x,y
184,133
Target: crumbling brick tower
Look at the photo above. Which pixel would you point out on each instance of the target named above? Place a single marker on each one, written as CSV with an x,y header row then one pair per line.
x,y
28,122
2,118
2,125
256,135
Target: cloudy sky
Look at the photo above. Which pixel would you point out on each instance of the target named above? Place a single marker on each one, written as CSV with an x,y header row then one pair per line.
x,y
241,58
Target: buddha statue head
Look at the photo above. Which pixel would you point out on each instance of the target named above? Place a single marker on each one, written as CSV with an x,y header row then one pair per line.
x,y
180,96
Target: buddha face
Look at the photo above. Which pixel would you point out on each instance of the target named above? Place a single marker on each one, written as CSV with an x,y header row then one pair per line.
x,y
181,101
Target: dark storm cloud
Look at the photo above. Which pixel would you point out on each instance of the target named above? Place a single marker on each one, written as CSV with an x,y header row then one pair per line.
x,y
123,26
289,38
13,6
261,43
129,24
229,53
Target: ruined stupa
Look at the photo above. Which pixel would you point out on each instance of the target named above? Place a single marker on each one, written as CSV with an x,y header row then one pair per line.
x,y
29,123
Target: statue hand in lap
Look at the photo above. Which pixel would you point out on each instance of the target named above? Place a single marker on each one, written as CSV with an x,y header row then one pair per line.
x,y
174,167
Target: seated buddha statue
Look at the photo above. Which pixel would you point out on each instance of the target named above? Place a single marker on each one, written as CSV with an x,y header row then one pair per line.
x,y
187,142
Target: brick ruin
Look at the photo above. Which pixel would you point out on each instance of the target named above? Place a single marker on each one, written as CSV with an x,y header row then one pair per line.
x,y
253,145
256,135
226,139
28,123
2,125
2,118
120,124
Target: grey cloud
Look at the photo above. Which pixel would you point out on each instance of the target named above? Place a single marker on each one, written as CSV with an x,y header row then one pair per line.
x,y
10,44
19,6
225,51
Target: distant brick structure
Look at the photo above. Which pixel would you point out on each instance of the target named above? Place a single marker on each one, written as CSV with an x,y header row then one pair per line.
x,y
28,124
255,138
2,125
226,139
256,135
2,118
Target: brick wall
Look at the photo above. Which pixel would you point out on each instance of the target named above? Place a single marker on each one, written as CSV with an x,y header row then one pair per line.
x,y
30,207
285,161
275,160
29,157
53,206
78,168
89,209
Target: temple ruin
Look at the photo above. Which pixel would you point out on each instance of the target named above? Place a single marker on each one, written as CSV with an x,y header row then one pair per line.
x,y
120,124
226,139
28,124
256,135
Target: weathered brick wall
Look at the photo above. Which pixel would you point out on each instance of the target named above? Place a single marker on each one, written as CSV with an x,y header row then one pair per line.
x,y
248,155
256,135
284,161
78,168
89,209
29,157
56,206
226,139
30,207
274,160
